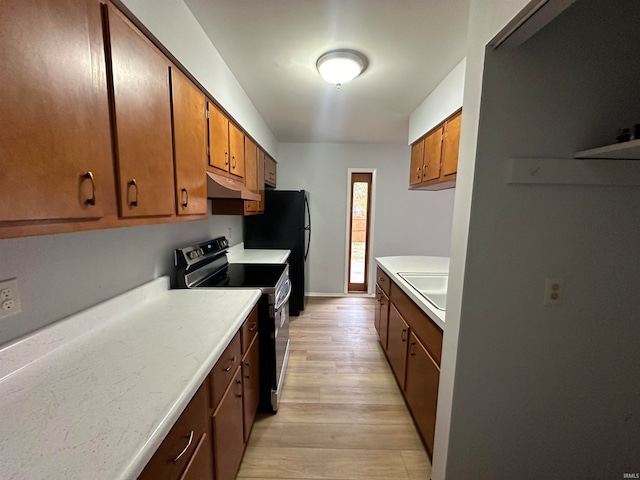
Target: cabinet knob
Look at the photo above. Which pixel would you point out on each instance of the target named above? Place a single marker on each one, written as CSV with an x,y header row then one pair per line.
x,y
184,450
134,202
239,393
92,200
231,363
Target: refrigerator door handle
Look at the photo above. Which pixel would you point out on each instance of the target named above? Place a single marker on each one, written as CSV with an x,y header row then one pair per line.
x,y
307,228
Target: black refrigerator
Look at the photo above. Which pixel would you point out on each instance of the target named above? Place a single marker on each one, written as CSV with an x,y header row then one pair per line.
x,y
286,224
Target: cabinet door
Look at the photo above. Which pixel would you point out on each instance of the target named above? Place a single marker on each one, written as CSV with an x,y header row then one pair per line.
x,y
397,344
190,145
200,465
55,138
421,390
432,155
415,170
270,171
376,318
251,173
451,145
178,449
218,138
236,148
228,434
261,180
250,385
384,320
142,111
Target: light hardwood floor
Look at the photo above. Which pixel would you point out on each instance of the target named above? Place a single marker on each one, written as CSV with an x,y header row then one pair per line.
x,y
342,416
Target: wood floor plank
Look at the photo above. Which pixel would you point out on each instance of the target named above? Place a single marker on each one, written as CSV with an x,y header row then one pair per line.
x,y
324,463
342,415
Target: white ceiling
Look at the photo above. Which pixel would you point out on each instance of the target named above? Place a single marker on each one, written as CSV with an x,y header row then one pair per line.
x,y
272,46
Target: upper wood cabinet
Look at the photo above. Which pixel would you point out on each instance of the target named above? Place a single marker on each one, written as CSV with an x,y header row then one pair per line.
x,y
226,143
55,140
142,118
189,145
254,177
270,171
251,164
434,158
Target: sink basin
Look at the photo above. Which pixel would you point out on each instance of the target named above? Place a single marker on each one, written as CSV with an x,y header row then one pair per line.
x,y
433,287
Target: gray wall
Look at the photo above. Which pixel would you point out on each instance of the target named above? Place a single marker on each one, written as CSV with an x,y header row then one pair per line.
x,y
406,222
62,274
549,392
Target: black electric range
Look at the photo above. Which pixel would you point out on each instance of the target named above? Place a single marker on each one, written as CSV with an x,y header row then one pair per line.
x,y
205,265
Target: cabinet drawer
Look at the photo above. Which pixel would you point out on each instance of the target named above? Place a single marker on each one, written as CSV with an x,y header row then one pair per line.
x,y
249,329
225,369
427,331
383,280
171,459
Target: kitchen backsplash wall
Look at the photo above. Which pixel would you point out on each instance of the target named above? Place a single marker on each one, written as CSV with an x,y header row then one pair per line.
x,y
62,274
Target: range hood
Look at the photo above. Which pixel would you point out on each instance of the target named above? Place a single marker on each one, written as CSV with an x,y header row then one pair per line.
x,y
224,187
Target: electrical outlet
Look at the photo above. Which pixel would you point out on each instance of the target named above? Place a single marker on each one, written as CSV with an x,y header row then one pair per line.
x,y
9,298
553,291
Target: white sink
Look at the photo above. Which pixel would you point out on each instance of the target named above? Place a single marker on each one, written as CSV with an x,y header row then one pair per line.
x,y
433,287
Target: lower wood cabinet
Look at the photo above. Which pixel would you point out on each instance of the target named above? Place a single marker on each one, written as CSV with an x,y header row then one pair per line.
x,y
397,343
421,389
186,450
413,347
207,442
228,431
382,316
250,385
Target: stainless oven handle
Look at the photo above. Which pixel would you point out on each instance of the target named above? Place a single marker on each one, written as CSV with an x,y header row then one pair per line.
x,y
286,297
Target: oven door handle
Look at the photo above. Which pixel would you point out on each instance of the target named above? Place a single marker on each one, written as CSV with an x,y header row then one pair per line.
x,y
286,297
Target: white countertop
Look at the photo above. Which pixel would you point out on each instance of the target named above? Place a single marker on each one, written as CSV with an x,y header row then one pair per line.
x,y
239,254
93,396
394,265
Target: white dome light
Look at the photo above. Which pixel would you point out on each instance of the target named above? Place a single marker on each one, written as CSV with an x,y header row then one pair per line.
x,y
341,66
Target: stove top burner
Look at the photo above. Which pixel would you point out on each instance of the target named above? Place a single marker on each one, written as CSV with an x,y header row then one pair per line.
x,y
245,275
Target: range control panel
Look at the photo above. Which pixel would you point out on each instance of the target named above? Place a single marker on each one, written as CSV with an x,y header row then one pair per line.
x,y
197,253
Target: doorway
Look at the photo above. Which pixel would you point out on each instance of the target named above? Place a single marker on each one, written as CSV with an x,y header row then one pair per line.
x,y
359,224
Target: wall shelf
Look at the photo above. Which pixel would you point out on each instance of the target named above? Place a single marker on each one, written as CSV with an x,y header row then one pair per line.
x,y
618,151
568,171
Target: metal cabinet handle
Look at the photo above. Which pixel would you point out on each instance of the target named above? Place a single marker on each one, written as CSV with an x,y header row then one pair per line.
x,y
184,193
403,337
253,326
185,448
233,361
248,374
132,183
418,169
226,158
239,383
411,349
92,200
233,162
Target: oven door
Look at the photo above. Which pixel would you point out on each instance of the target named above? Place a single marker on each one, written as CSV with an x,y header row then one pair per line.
x,y
281,323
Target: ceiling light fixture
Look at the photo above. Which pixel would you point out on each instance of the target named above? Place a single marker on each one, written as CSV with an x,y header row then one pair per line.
x,y
341,66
